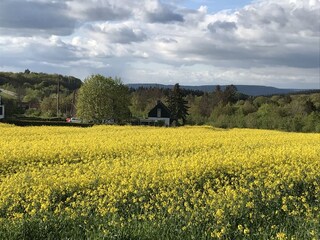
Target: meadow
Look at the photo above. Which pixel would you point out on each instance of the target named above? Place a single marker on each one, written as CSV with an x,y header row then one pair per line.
x,y
123,182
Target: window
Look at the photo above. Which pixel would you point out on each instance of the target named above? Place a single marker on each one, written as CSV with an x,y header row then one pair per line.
x,y
1,110
159,112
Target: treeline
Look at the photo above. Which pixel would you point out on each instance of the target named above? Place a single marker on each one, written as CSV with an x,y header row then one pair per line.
x,y
28,79
144,98
287,112
35,94
53,95
230,109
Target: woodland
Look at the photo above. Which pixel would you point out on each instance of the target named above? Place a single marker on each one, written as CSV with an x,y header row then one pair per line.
x,y
29,94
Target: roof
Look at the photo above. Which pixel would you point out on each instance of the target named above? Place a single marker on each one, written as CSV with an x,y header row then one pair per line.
x,y
165,112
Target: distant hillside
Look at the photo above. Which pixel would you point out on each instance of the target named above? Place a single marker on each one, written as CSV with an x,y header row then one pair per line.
x,y
251,90
39,80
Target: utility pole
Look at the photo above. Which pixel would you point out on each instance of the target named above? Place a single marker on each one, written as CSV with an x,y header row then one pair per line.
x,y
58,96
73,105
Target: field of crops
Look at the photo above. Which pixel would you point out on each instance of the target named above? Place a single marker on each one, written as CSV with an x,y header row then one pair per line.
x,y
109,182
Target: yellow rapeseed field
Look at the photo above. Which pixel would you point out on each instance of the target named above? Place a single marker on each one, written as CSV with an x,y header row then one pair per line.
x,y
123,182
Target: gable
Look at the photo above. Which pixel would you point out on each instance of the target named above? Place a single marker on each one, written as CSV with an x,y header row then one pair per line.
x,y
159,111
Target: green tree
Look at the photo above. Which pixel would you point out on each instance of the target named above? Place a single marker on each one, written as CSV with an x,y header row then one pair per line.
x,y
177,105
101,98
48,106
205,105
32,96
217,96
229,94
248,107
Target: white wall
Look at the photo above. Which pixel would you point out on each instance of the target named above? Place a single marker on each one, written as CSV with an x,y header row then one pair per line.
x,y
166,120
2,115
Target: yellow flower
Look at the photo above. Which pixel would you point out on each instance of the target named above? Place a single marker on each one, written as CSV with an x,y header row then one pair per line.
x,y
129,175
281,236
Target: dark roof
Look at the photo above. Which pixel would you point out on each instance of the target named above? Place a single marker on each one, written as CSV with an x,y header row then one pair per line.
x,y
165,112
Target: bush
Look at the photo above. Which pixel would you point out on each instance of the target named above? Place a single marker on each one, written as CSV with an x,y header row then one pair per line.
x,y
25,123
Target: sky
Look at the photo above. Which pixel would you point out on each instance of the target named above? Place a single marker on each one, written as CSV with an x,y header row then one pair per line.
x,y
191,42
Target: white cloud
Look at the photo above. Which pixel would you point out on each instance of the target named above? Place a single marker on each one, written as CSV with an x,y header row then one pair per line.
x,y
257,44
99,10
119,32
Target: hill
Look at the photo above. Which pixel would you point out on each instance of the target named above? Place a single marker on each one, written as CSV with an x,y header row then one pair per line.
x,y
37,80
35,94
251,90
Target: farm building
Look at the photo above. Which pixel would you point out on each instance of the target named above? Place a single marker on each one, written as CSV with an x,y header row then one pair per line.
x,y
160,113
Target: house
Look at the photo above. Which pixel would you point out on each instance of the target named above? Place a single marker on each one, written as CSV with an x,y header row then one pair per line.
x,y
1,109
157,115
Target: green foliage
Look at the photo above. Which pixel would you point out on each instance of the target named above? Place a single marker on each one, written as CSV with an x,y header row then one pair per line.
x,y
39,80
227,108
48,106
11,107
102,98
298,113
247,108
36,93
229,94
143,99
177,105
259,101
205,105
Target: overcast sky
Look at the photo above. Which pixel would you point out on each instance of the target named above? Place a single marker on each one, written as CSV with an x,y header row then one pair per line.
x,y
193,42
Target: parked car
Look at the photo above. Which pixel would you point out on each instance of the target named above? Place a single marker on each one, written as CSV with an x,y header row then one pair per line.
x,y
74,120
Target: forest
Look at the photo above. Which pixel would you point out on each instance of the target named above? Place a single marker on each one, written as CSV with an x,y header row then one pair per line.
x,y
299,112
35,94
52,95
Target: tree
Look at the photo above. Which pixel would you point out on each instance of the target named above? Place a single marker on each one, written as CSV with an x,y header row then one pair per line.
x,y
229,94
217,95
177,105
101,98
48,106
205,105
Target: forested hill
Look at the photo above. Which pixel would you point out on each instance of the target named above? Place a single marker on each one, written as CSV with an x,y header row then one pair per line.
x,y
38,80
251,90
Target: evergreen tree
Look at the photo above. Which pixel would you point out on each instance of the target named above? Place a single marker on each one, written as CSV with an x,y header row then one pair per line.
x,y
177,105
229,94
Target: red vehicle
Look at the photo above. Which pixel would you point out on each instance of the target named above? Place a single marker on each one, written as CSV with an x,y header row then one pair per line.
x,y
73,120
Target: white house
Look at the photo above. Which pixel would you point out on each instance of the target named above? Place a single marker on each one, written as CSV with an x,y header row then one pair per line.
x,y
160,113
1,109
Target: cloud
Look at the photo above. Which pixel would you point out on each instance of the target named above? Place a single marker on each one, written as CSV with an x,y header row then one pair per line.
x,y
100,10
164,16
157,12
222,26
264,38
266,33
200,74
29,17
119,33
